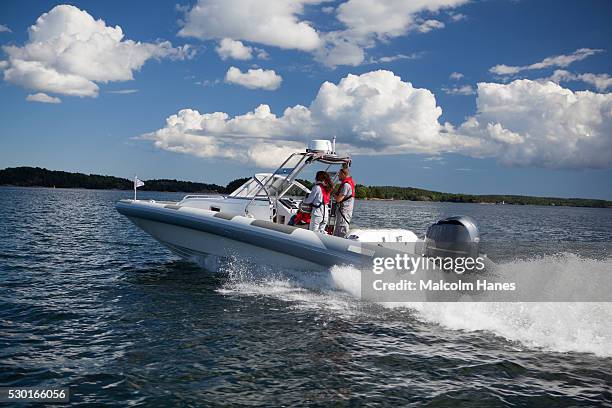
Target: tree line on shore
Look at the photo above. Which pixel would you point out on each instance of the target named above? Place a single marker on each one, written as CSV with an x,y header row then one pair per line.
x,y
39,177
417,194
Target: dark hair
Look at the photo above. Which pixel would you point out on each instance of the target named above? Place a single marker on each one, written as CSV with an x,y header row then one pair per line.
x,y
323,176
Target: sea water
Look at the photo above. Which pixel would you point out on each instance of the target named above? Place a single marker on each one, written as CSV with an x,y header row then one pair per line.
x,y
90,302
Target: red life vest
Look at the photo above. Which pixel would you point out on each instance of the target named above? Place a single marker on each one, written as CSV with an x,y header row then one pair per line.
x,y
326,194
302,218
350,182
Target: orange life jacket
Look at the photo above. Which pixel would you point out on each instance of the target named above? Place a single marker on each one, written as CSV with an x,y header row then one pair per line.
x,y
350,182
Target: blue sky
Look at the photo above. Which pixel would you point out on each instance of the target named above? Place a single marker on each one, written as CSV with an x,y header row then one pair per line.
x,y
533,150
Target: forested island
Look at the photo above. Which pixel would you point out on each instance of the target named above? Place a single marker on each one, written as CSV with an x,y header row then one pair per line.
x,y
39,177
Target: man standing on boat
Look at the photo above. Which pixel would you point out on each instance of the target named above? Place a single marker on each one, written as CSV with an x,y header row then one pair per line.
x,y
345,199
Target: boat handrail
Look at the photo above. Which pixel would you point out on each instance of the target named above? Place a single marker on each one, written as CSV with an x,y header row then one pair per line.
x,y
291,176
199,196
246,208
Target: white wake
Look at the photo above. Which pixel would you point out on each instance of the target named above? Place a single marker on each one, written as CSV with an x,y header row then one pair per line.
x,y
560,327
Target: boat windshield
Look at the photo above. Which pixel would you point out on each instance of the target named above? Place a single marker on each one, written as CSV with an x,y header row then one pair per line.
x,y
277,185
290,165
264,185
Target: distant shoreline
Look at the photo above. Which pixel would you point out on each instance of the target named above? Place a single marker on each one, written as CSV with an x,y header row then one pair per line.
x,y
140,190
36,177
359,199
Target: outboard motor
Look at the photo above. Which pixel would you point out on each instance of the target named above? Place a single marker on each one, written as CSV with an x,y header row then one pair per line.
x,y
453,237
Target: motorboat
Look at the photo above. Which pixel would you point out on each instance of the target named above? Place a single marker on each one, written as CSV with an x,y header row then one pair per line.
x,y
253,222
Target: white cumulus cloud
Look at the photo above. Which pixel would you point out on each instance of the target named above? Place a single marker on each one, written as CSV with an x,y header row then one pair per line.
x,y
281,23
69,52
366,22
229,48
532,123
43,98
254,78
5,29
456,76
520,123
601,82
388,18
371,113
255,137
273,23
549,62
338,49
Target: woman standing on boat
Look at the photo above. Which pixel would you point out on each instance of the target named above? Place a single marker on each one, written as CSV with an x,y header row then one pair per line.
x,y
319,202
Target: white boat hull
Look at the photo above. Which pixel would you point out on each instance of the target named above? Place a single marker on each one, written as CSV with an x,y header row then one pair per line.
x,y
193,244
194,232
